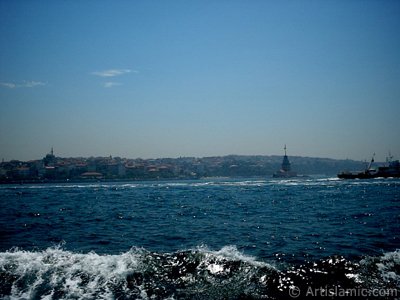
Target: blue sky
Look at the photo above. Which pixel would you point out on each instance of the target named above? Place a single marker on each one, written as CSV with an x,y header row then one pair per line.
x,y
199,78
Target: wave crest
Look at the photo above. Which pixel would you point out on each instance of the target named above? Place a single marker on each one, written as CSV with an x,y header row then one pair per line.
x,y
199,273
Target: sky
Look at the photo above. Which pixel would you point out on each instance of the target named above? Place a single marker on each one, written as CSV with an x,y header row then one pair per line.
x,y
174,78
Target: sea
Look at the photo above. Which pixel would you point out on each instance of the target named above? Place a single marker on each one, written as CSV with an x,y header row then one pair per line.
x,y
244,238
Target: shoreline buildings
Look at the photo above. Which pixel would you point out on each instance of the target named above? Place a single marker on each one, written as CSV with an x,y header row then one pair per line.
x,y
52,168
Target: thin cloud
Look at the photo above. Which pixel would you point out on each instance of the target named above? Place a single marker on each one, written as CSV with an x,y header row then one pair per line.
x,y
113,72
111,84
24,84
8,85
30,84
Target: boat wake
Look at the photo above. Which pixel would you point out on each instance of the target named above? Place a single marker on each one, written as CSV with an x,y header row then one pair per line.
x,y
192,274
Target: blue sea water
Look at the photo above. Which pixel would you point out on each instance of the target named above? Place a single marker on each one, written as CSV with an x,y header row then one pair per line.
x,y
201,239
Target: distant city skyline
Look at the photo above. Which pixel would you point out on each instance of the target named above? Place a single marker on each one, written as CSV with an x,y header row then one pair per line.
x,y
389,156
199,78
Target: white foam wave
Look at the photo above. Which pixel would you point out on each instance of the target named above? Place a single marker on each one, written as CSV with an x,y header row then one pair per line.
x,y
383,271
388,265
57,273
77,275
231,253
256,182
83,275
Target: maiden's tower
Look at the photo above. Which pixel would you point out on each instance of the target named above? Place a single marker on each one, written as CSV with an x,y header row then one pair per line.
x,y
286,170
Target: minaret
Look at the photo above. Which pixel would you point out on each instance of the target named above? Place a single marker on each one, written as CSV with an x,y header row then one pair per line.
x,y
49,159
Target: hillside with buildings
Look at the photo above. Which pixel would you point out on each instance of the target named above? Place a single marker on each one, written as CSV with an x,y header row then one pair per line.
x,y
53,168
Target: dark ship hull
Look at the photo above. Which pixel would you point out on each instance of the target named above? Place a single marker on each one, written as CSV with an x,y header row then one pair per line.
x,y
393,170
355,175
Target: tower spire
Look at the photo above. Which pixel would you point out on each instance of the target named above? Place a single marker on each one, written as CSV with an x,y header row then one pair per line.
x,y
285,162
286,170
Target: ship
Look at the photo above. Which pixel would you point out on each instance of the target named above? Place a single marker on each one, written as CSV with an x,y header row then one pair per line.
x,y
391,170
286,169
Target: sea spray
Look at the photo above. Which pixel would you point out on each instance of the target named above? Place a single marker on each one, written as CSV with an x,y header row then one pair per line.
x,y
191,274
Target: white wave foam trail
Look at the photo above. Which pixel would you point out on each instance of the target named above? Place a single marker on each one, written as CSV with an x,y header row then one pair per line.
x,y
68,274
233,254
383,271
199,273
387,267
137,274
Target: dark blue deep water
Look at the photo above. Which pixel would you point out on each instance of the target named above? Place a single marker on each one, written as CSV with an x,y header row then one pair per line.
x,y
205,239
